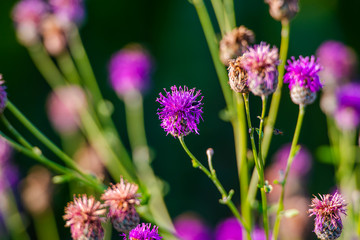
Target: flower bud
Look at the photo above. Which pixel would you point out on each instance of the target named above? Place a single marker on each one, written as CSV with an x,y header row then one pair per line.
x,y
283,9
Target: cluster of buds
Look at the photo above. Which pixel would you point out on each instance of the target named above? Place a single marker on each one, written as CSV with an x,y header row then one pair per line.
x,y
37,20
84,215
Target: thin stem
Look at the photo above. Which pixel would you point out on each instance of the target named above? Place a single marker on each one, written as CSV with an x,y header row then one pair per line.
x,y
214,49
226,198
46,66
67,66
241,157
137,135
57,151
230,13
14,132
219,13
293,151
276,97
261,164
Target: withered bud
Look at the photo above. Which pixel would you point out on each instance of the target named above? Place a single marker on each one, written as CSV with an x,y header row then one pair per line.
x,y
53,35
283,9
235,43
238,76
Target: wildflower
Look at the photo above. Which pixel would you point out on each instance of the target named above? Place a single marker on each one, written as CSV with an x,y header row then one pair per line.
x,y
302,76
83,216
3,95
9,174
144,232
261,64
181,111
235,43
121,200
283,9
27,15
238,76
191,227
327,211
130,70
229,229
68,11
338,61
53,35
64,106
347,113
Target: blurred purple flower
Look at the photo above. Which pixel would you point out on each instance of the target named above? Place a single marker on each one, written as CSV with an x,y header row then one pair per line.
x,y
68,10
130,70
229,229
260,62
9,175
338,60
191,227
181,111
259,234
347,115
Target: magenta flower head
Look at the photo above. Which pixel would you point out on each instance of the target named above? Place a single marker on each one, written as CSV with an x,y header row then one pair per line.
x,y
261,63
302,76
347,114
121,200
84,217
327,211
27,15
3,95
229,229
144,232
191,227
130,70
181,111
338,61
68,11
9,174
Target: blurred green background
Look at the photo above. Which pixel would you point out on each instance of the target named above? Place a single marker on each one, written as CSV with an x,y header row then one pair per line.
x,y
172,32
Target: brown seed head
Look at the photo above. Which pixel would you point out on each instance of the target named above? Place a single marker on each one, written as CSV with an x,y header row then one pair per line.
x,y
238,76
283,9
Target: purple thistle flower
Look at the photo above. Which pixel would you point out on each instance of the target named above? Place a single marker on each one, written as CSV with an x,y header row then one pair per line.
x,y
261,64
229,229
9,174
302,76
347,114
3,95
327,211
181,111
191,227
68,11
130,69
144,232
339,62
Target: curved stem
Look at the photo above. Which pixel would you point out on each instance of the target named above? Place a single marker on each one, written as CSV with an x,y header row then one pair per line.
x,y
293,151
226,198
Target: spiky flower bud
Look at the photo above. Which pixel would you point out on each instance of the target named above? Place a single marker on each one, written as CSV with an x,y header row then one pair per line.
x,y
235,43
302,76
283,9
327,211
238,76
121,200
261,63
83,216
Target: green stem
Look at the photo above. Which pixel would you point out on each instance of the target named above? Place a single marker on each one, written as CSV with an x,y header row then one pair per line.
x,y
67,66
241,157
214,50
45,225
57,151
14,132
46,66
137,135
219,13
230,13
226,198
261,164
293,151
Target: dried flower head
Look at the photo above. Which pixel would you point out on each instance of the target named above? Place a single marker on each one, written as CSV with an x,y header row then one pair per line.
x,y
27,15
84,217
144,232
235,43
3,95
121,199
261,64
302,76
130,69
181,111
327,211
283,9
338,61
238,76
